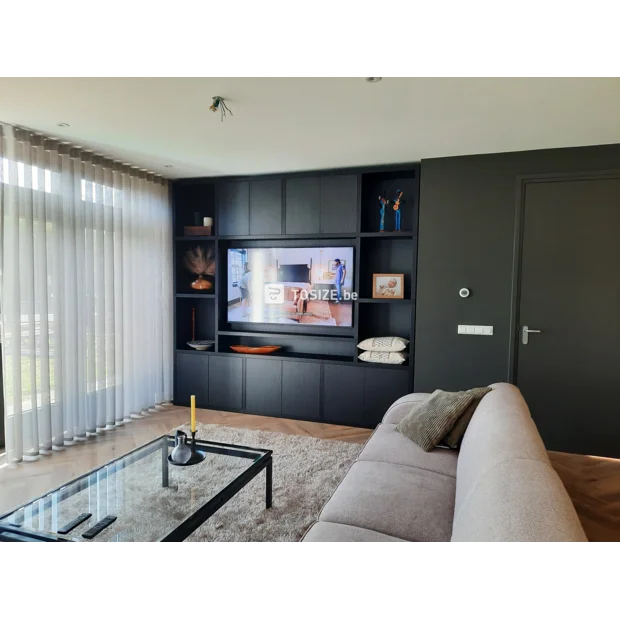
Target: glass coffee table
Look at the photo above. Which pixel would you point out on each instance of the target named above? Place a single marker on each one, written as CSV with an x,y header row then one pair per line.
x,y
152,499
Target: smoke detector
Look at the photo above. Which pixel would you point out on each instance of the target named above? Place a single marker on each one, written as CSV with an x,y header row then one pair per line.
x,y
373,77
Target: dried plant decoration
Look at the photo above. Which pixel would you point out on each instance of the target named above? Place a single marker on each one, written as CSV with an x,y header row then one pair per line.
x,y
200,261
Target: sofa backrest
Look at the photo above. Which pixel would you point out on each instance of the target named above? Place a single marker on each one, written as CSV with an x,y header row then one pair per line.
x,y
506,487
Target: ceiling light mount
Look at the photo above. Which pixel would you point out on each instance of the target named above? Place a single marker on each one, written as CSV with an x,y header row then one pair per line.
x,y
373,77
220,104
63,124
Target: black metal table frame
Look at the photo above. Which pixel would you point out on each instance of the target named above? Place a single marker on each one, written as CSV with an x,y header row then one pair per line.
x,y
198,517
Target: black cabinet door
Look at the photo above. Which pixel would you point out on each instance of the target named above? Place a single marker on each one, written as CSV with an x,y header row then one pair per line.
x,y
266,207
381,389
192,377
226,382
343,394
301,390
233,207
339,203
303,205
263,386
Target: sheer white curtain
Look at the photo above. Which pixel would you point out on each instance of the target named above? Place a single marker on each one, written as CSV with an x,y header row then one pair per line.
x,y
85,292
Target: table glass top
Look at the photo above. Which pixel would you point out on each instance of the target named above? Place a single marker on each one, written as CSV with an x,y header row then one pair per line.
x,y
149,496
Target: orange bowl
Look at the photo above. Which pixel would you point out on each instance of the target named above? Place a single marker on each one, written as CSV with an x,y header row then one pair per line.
x,y
240,348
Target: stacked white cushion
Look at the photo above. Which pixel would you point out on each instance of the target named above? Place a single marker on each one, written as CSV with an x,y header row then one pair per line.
x,y
385,344
383,357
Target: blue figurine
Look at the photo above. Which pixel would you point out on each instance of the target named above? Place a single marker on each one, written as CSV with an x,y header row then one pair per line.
x,y
384,202
396,208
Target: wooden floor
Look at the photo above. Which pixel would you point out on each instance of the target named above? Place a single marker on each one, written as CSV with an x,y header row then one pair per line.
x,y
592,482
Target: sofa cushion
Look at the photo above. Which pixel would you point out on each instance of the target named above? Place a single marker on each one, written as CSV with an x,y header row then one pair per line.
x,y
389,446
518,500
430,421
396,500
401,407
323,531
455,436
501,428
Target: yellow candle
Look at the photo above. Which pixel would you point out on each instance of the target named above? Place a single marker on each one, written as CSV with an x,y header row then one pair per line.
x,y
193,414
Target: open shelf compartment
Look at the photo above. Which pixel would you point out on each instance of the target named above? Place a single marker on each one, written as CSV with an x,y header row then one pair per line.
x,y
185,277
192,203
296,346
388,184
204,321
378,320
386,256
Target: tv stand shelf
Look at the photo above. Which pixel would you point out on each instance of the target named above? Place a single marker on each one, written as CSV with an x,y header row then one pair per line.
x,y
285,355
316,375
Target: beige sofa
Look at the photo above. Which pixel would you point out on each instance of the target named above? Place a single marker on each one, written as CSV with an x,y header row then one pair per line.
x,y
500,486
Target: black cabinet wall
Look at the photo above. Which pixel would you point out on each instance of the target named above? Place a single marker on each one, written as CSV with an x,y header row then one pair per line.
x,y
361,396
325,205
316,376
336,393
307,206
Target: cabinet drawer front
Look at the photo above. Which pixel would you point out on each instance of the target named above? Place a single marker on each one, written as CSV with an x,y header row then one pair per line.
x,y
233,207
339,203
301,390
343,394
263,386
226,382
381,389
266,207
303,198
192,377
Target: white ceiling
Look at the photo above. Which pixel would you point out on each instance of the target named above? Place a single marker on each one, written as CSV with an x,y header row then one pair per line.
x,y
284,124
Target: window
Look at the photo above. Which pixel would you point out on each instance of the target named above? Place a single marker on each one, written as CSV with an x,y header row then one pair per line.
x,y
97,192
91,193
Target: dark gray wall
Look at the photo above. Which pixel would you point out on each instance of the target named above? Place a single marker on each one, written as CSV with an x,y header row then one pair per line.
x,y
466,229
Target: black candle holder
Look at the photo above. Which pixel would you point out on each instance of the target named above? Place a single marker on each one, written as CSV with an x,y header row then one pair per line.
x,y
197,455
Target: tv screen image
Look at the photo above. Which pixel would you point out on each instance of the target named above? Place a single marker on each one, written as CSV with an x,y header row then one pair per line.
x,y
296,286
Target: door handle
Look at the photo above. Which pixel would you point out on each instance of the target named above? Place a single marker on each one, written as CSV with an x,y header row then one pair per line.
x,y
525,331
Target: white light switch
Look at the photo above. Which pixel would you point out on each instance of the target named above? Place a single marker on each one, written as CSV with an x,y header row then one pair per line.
x,y
475,330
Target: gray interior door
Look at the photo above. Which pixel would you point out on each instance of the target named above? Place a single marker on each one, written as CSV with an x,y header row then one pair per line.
x,y
569,372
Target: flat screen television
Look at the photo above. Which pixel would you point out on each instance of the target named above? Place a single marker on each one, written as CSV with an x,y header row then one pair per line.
x,y
296,286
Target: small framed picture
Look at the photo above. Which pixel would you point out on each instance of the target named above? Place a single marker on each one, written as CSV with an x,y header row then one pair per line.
x,y
388,285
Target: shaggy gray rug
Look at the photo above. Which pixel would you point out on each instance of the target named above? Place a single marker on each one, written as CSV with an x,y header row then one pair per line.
x,y
305,473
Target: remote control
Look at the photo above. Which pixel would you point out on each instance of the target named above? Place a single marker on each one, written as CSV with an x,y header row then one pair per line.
x,y
65,529
99,527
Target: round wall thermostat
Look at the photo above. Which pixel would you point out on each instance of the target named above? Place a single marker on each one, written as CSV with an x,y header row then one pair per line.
x,y
464,292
